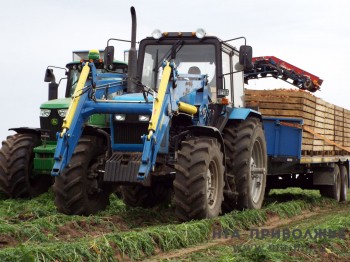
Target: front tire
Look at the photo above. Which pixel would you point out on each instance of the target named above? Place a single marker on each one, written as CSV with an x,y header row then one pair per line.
x,y
246,163
199,181
17,177
80,189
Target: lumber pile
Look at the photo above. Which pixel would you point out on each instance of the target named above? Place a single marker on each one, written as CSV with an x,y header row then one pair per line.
x,y
330,121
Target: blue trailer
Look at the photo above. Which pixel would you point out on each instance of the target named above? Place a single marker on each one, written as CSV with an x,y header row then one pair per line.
x,y
289,168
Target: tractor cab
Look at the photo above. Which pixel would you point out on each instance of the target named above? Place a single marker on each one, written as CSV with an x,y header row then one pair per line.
x,y
54,111
105,73
194,55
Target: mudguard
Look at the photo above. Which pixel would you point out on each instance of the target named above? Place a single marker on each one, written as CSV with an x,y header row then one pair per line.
x,y
243,113
26,130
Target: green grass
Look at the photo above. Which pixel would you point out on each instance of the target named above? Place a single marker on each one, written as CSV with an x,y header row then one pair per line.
x,y
273,249
36,227
305,249
37,220
291,249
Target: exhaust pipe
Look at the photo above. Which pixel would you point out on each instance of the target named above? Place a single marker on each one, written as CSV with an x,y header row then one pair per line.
x,y
132,61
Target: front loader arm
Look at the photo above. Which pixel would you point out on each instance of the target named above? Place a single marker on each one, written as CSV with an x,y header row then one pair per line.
x,y
165,105
72,125
157,125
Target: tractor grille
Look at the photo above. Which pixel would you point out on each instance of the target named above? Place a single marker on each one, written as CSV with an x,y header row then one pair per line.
x,y
53,124
129,131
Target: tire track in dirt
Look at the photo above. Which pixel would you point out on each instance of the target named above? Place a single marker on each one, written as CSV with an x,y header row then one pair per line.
x,y
273,222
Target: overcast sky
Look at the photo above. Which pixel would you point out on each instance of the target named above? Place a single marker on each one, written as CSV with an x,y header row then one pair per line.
x,y
313,35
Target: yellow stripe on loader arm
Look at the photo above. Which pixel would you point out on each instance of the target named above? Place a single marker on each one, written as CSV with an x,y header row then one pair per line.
x,y
158,101
67,121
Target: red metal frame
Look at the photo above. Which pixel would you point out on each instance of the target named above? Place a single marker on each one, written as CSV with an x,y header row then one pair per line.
x,y
283,64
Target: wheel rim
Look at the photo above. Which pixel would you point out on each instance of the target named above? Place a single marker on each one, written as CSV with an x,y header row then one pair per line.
x,y
257,170
212,184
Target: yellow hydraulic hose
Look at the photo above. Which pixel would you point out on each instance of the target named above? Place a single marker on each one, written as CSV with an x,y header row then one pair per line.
x,y
67,121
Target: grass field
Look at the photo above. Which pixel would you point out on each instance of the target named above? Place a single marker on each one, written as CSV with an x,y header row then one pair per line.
x,y
32,230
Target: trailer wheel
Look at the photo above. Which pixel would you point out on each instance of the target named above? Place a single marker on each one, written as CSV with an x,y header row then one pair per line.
x,y
199,181
246,163
333,191
80,189
146,197
17,178
344,176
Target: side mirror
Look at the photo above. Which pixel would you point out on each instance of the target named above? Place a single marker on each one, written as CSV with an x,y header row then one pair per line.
x,y
53,91
109,55
49,76
246,56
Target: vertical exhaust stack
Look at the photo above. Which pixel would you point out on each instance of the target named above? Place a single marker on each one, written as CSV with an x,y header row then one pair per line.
x,y
132,62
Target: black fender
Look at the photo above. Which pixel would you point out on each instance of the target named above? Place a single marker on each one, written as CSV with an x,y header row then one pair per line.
x,y
27,130
88,130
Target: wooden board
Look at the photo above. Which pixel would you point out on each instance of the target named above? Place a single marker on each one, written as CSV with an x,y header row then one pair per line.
x,y
324,118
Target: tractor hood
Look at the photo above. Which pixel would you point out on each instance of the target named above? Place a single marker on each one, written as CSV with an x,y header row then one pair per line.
x,y
56,103
133,97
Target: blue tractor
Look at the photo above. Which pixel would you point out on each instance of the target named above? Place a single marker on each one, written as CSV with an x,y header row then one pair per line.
x,y
178,127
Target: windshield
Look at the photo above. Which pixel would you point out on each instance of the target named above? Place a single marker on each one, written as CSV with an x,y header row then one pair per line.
x,y
190,59
74,75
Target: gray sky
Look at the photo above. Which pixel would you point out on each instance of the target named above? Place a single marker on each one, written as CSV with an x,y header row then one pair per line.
x,y
309,34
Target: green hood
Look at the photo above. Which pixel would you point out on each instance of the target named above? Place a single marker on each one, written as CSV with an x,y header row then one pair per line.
x,y
56,103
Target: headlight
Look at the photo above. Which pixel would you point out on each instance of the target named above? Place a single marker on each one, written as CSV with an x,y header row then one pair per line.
x,y
200,33
62,112
144,118
156,34
45,112
120,117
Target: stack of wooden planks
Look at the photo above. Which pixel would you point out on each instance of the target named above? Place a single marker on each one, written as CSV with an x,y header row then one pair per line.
x,y
329,121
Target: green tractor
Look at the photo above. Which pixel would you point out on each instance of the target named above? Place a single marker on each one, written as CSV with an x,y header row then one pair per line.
x,y
26,158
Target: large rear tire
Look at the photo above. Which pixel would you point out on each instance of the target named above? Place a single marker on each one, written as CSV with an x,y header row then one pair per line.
x,y
246,163
80,189
17,178
333,191
199,181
